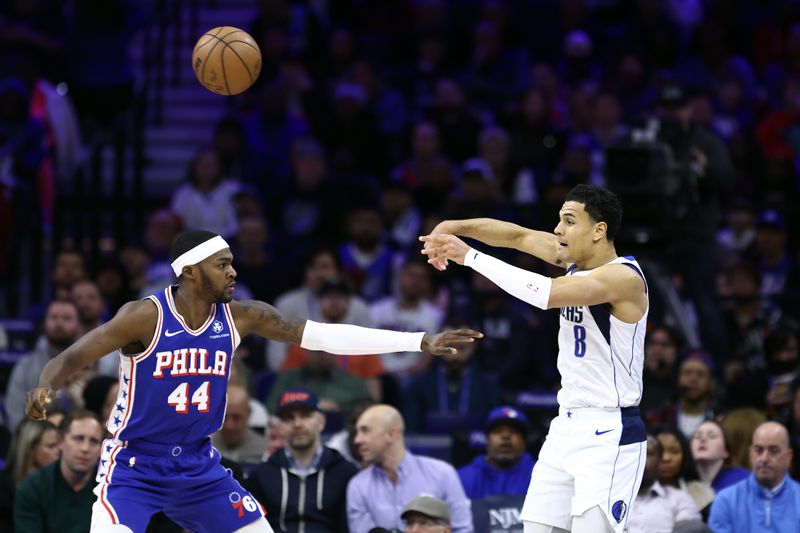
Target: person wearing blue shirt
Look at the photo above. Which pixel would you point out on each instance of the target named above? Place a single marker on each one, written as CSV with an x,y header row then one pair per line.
x,y
768,500
506,468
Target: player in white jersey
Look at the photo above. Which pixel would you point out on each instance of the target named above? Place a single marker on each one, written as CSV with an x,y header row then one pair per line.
x,y
590,466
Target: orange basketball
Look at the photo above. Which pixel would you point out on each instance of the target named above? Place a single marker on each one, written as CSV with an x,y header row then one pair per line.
x,y
226,60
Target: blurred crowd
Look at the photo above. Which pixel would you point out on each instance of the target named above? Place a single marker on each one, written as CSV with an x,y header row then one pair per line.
x,y
370,123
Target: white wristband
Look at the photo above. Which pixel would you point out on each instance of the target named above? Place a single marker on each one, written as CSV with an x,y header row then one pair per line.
x,y
527,286
346,339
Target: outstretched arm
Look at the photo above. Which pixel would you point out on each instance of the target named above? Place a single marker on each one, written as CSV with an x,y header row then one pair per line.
x,y
505,235
135,322
345,339
615,284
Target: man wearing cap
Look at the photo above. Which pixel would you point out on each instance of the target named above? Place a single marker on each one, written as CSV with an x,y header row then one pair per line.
x,y
772,254
303,485
506,468
176,348
394,476
426,514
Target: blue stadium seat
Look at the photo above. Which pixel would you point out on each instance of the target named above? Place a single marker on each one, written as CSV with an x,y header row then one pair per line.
x,y
262,384
446,423
438,446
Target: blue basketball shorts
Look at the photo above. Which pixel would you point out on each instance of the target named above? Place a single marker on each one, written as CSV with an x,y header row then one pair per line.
x,y
138,479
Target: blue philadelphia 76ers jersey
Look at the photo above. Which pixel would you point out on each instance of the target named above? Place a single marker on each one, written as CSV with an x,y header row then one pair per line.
x,y
175,390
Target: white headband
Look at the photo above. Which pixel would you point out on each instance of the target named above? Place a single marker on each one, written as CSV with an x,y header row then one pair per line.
x,y
202,251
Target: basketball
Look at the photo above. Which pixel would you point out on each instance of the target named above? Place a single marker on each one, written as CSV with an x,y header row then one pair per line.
x,y
226,60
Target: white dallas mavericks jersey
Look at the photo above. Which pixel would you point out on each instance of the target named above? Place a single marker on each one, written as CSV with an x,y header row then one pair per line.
x,y
600,357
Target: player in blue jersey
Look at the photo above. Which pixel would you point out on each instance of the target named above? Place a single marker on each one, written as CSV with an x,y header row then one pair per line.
x,y
590,466
176,348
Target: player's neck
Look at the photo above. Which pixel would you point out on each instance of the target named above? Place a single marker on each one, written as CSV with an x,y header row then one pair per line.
x,y
193,309
603,255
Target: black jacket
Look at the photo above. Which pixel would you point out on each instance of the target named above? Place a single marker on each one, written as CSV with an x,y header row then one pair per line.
x,y
323,508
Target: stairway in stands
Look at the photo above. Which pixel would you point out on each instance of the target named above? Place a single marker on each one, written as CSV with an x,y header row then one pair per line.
x,y
189,110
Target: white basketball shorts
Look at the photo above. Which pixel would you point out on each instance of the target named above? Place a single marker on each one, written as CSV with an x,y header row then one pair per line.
x,y
591,457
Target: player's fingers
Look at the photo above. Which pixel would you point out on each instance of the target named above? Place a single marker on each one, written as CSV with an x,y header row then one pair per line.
x,y
465,332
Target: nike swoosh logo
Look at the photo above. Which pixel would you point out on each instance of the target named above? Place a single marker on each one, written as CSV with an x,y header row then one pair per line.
x,y
598,432
172,333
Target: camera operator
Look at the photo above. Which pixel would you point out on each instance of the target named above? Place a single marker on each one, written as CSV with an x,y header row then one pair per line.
x,y
682,169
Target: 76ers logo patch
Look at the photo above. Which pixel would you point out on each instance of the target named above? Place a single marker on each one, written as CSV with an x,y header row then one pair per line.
x,y
242,504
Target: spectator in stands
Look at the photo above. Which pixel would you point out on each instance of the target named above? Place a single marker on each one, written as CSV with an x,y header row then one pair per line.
x,y
768,500
735,240
514,183
35,446
661,348
511,334
149,267
783,366
235,440
114,284
409,309
91,307
255,265
92,312
309,207
235,160
303,485
748,317
695,396
792,423
678,470
338,391
712,457
59,498
453,385
343,441
658,508
61,329
739,425
69,267
320,265
274,437
364,257
334,302
100,395
401,215
506,468
205,201
426,514
772,254
416,171
394,476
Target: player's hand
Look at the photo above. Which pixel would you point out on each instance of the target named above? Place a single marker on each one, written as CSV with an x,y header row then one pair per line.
x,y
442,343
36,402
443,247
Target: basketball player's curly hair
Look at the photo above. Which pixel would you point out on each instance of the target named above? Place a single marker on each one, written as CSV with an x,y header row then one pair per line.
x,y
600,204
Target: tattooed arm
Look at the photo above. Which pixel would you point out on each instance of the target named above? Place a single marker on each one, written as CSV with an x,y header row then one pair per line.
x,y
263,319
252,316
